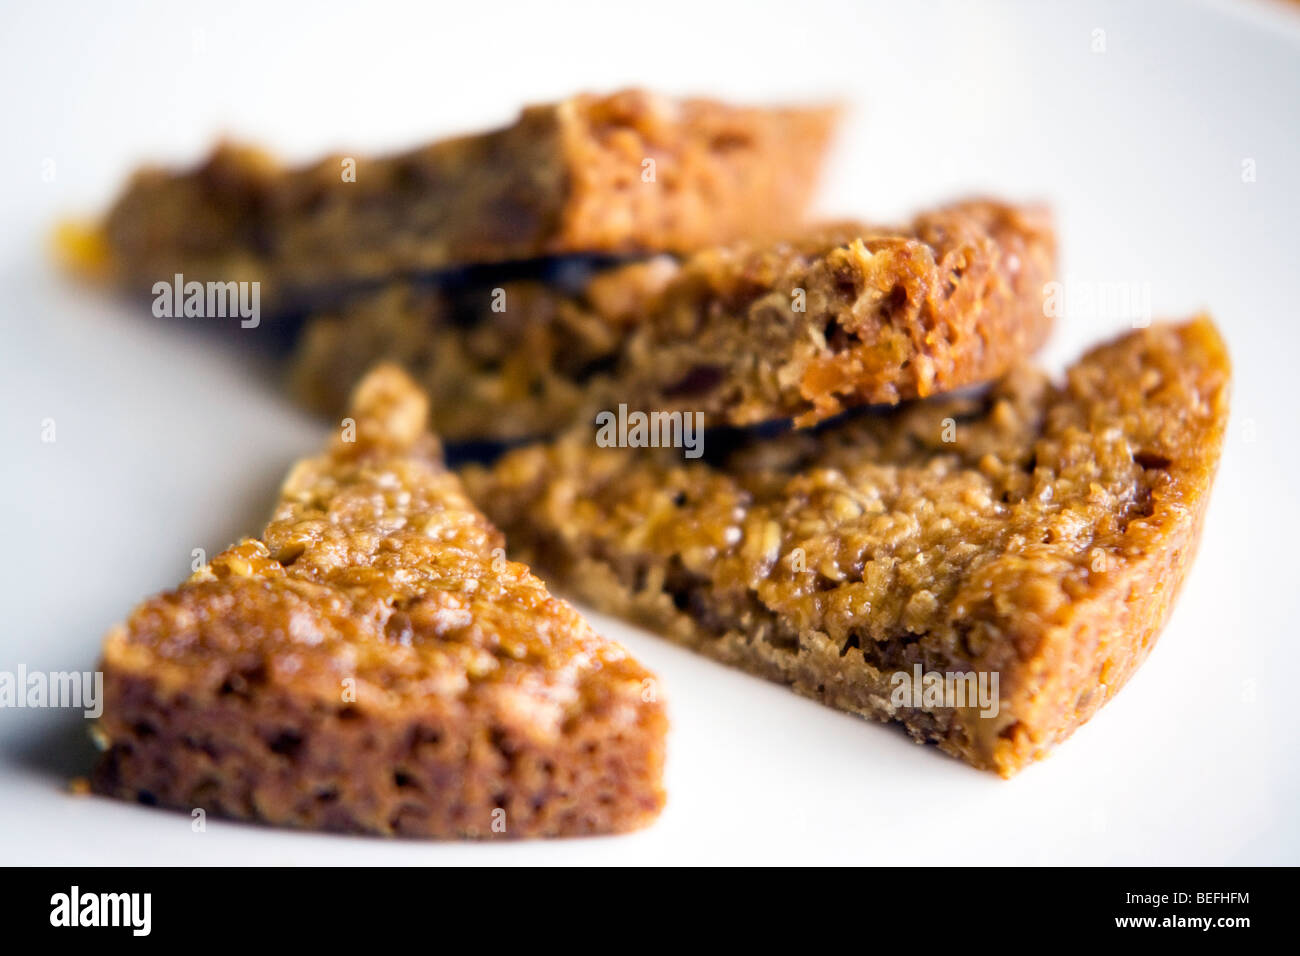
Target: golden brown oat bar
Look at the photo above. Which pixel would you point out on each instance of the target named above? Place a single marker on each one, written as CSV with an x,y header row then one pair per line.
x,y
744,333
1039,533
626,173
374,664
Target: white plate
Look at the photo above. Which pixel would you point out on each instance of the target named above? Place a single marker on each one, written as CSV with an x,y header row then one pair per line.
x,y
170,439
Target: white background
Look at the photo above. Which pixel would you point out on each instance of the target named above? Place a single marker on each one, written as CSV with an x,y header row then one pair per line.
x,y
170,439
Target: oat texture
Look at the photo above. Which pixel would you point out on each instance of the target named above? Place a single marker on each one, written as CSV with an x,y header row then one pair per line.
x,y
1040,532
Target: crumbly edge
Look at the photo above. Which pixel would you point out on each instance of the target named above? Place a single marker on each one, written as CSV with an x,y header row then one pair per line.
x,y
1082,661
252,752
856,316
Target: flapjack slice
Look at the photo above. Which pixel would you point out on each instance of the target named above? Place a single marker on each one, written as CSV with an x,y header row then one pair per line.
x,y
373,663
620,174
986,569
800,328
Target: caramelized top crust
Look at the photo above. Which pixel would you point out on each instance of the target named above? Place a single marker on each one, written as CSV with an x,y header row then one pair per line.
x,y
376,567
967,528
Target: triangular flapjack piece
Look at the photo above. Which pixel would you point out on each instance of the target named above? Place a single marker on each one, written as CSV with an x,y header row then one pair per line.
x,y
373,663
